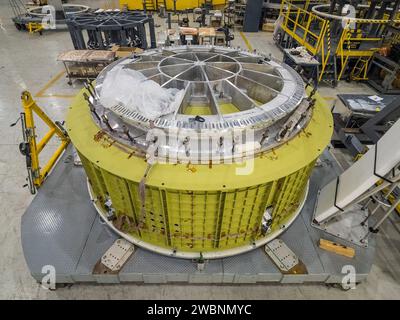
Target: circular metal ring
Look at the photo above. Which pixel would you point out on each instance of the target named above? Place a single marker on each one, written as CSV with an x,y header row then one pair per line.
x,y
316,11
69,9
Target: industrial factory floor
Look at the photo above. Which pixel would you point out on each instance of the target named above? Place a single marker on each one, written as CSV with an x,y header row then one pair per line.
x,y
28,62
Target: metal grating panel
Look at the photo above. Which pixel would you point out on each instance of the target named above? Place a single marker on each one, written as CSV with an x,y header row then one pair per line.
x,y
54,228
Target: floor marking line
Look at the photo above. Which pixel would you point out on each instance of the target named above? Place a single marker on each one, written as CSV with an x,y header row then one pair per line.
x,y
329,97
246,41
60,96
49,84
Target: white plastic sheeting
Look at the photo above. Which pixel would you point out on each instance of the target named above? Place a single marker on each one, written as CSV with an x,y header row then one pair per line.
x,y
134,91
357,179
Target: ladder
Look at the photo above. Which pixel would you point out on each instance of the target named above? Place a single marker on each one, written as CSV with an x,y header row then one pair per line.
x,y
329,73
360,69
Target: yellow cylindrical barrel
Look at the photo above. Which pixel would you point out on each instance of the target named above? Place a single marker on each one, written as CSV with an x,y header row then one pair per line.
x,y
191,209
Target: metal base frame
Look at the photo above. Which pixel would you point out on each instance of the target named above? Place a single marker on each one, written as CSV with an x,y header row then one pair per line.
x,y
391,68
62,228
347,226
381,89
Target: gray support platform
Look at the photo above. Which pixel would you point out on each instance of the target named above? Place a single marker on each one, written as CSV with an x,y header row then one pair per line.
x,y
61,228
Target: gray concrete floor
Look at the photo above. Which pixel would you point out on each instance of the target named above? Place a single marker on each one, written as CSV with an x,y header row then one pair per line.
x,y
28,62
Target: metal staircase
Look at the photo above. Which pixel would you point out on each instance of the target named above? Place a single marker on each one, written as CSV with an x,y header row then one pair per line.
x,y
329,75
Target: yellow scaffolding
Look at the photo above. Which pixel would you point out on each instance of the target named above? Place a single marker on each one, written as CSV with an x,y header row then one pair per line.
x,y
31,149
352,39
296,22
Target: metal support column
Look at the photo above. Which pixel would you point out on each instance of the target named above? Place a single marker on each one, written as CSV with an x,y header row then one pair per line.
x,y
153,42
252,16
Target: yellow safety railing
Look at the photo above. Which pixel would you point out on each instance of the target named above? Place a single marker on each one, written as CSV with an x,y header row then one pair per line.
x,y
325,54
297,21
31,148
353,44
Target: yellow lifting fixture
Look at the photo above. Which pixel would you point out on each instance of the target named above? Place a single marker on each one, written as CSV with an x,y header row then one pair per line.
x,y
31,149
35,27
